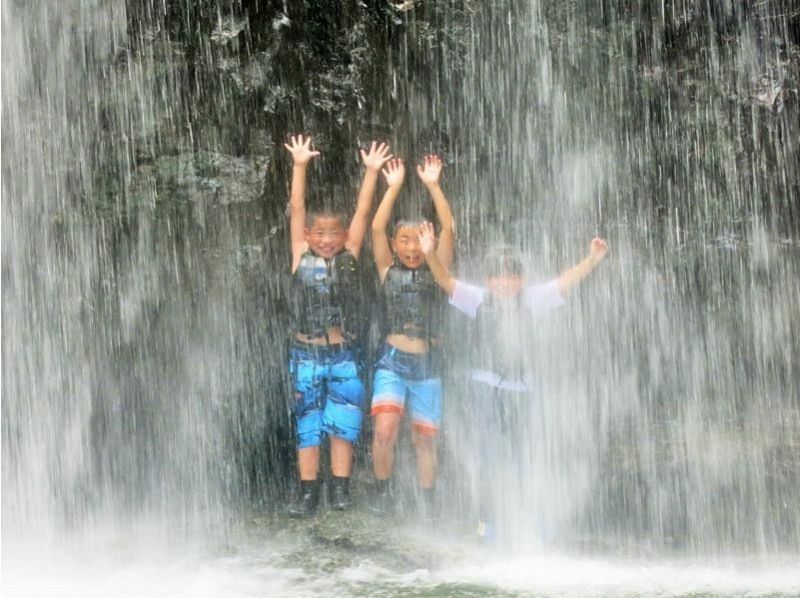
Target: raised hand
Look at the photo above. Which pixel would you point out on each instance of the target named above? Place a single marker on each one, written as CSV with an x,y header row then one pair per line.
x,y
598,249
427,238
430,171
394,173
377,156
300,148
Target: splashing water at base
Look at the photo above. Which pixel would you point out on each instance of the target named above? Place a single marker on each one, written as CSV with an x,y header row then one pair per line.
x,y
143,363
411,563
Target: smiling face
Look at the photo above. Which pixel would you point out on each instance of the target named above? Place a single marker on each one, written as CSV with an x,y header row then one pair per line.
x,y
326,236
406,247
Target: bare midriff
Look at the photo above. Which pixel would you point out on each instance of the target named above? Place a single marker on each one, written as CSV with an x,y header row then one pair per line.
x,y
335,336
408,344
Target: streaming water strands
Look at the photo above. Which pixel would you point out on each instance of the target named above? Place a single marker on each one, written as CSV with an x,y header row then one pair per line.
x,y
143,250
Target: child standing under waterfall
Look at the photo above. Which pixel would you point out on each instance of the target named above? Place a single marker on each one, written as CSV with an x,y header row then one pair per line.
x,y
408,372
501,384
325,308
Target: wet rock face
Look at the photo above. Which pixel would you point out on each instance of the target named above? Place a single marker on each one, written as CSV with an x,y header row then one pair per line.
x,y
210,178
241,75
166,185
691,97
250,74
691,69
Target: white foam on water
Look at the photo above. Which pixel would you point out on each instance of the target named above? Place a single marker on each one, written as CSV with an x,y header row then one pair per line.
x,y
562,575
259,569
142,562
169,576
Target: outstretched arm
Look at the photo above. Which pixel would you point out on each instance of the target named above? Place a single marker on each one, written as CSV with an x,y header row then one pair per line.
x,y
429,174
394,174
374,161
427,242
300,148
598,249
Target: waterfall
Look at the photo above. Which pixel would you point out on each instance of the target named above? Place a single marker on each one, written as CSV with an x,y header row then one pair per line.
x,y
669,413
145,254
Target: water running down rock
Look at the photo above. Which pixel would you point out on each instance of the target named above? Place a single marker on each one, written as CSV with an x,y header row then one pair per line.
x,y
144,244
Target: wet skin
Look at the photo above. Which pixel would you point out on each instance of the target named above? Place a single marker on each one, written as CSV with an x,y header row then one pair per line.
x,y
326,236
406,247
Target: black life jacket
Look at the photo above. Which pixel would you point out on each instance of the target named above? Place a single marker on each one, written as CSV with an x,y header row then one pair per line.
x,y
326,293
501,337
412,302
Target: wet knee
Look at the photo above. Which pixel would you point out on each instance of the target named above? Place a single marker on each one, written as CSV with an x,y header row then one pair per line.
x,y
424,443
385,435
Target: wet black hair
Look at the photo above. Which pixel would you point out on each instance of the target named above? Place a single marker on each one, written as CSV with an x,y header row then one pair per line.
x,y
406,222
503,260
312,215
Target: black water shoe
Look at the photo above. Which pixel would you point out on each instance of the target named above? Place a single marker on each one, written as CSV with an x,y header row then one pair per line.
x,y
383,499
305,505
340,493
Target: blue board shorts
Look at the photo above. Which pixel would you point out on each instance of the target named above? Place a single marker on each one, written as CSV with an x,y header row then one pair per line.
x,y
328,393
400,375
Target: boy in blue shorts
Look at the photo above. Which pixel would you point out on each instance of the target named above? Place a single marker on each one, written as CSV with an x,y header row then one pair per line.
x,y
325,309
501,384
408,369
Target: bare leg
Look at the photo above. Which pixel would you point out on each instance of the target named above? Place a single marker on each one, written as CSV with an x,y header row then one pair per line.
x,y
308,463
387,426
341,457
425,446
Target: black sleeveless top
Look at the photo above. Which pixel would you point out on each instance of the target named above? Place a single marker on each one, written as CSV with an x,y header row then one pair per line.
x,y
412,302
501,338
326,293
